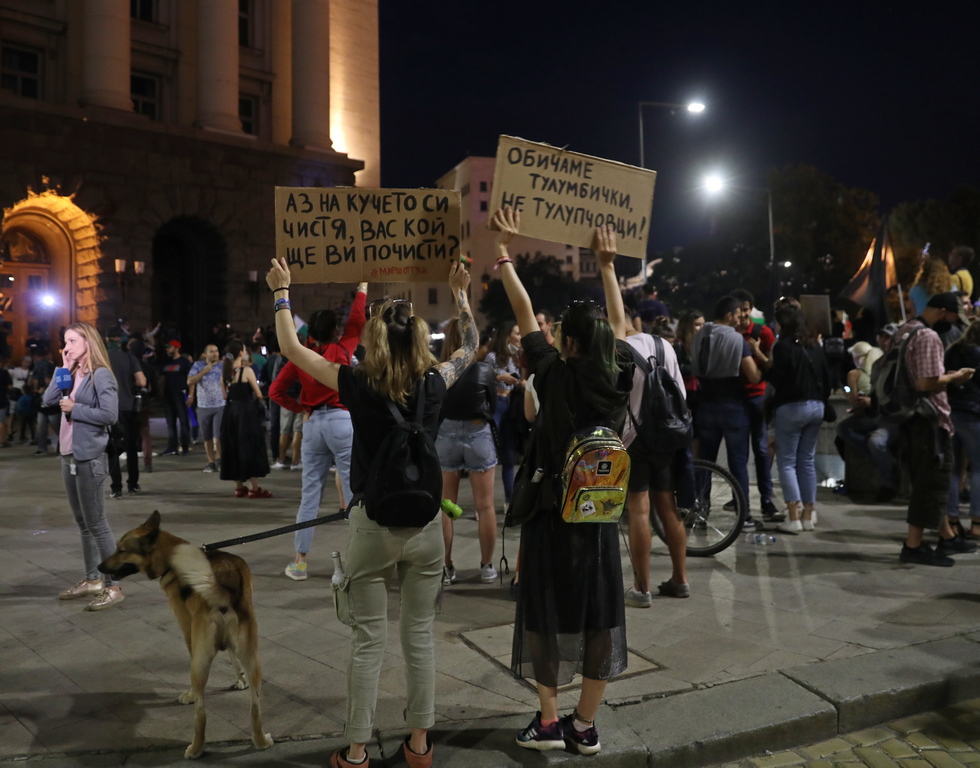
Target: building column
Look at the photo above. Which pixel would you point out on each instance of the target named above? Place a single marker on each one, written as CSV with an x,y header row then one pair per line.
x,y
282,58
311,74
217,65
106,55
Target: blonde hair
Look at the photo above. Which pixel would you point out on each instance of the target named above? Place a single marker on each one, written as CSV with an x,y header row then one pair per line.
x,y
397,352
452,340
934,276
98,357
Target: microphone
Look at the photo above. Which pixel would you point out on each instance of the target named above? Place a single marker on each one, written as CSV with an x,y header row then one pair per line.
x,y
62,379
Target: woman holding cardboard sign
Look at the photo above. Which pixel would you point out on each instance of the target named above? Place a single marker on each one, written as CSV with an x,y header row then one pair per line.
x,y
398,381
570,612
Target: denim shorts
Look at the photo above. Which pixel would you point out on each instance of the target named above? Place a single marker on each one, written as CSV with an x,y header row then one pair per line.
x,y
465,445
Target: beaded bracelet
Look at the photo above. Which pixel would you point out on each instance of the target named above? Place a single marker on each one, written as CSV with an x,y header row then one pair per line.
x,y
282,304
502,261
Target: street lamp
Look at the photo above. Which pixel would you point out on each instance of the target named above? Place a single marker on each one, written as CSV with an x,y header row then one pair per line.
x,y
714,184
694,107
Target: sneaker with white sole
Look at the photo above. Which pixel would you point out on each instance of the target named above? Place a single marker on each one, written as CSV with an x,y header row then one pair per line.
x,y
448,575
211,467
636,599
84,588
108,596
586,742
488,574
296,571
296,467
278,465
542,737
790,526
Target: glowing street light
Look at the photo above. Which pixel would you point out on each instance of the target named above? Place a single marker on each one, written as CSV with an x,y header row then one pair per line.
x,y
715,184
47,300
695,107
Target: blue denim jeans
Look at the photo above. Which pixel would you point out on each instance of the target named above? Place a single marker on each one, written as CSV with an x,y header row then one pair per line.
x,y
726,419
873,439
967,428
327,436
797,428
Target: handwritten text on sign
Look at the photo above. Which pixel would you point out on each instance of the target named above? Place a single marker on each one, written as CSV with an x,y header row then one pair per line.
x,y
349,235
564,196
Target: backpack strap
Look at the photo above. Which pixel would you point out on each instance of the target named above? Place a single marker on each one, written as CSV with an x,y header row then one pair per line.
x,y
659,344
419,407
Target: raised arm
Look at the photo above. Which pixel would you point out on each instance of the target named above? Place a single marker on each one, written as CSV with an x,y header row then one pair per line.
x,y
507,222
325,372
452,369
606,254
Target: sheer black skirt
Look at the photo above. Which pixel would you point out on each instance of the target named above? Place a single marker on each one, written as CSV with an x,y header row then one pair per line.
x,y
570,612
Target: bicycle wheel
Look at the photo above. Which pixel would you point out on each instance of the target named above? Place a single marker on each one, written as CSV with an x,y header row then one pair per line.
x,y
719,511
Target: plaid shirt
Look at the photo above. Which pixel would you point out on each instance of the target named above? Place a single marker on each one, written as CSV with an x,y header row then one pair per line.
x,y
924,358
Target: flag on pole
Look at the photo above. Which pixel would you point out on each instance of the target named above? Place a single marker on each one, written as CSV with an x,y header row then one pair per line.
x,y
869,286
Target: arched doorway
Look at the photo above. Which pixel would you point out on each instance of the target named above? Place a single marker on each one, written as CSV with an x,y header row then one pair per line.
x,y
46,237
189,262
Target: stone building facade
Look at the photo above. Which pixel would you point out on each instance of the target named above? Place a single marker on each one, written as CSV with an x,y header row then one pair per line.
x,y
141,142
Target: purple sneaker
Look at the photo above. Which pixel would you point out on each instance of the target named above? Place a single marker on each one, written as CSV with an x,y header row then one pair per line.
x,y
586,742
541,737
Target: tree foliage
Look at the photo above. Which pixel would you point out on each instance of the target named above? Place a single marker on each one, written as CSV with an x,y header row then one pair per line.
x,y
546,284
822,228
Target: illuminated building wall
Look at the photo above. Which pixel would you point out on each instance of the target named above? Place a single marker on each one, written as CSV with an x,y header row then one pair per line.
x,y
140,143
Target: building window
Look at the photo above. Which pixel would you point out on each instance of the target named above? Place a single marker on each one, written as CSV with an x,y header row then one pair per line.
x,y
144,10
248,113
20,71
246,21
483,205
433,296
483,186
145,92
465,190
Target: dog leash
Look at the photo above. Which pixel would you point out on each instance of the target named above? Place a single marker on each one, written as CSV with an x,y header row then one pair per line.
x,y
276,531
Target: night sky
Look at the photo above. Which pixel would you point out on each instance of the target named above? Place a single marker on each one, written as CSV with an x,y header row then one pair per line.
x,y
881,96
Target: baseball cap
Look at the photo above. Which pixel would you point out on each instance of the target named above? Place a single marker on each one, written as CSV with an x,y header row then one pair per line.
x,y
174,343
889,330
949,302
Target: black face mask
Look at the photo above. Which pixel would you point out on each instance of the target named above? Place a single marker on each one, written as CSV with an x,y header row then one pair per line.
x,y
941,327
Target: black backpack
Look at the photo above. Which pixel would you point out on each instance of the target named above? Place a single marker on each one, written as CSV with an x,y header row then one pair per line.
x,y
404,487
664,424
898,399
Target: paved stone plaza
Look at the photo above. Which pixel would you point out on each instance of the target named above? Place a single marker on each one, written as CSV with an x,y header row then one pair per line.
x,y
819,635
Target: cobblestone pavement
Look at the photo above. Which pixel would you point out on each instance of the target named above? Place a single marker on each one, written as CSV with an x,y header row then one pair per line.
x,y
948,738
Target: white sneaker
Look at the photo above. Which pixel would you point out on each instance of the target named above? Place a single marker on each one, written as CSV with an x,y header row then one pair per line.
x,y
448,575
488,574
809,525
279,465
790,526
108,596
636,599
297,467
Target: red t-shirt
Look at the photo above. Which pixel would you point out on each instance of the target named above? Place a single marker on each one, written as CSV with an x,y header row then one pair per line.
x,y
313,393
766,340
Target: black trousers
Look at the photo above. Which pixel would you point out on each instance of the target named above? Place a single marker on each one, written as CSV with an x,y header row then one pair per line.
x,y
130,423
928,449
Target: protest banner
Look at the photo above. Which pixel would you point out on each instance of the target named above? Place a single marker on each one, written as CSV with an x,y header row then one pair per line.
x,y
563,196
350,235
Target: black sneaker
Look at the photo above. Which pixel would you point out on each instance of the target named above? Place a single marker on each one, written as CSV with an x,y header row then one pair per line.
x,y
169,452
751,524
135,489
586,742
542,737
955,546
730,506
771,513
924,555
115,494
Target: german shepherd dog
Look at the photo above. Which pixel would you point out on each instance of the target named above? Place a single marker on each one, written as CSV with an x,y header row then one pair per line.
x,y
210,593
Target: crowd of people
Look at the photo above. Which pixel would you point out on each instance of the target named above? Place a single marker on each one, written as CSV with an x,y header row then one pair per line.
x,y
330,396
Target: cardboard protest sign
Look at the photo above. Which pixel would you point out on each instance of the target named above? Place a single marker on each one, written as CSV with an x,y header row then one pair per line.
x,y
563,196
349,235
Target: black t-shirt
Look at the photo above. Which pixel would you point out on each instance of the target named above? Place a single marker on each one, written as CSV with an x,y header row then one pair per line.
x,y
727,388
125,367
474,395
372,420
5,383
175,376
574,394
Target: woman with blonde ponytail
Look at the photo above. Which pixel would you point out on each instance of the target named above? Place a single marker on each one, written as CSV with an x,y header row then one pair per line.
x,y
397,369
